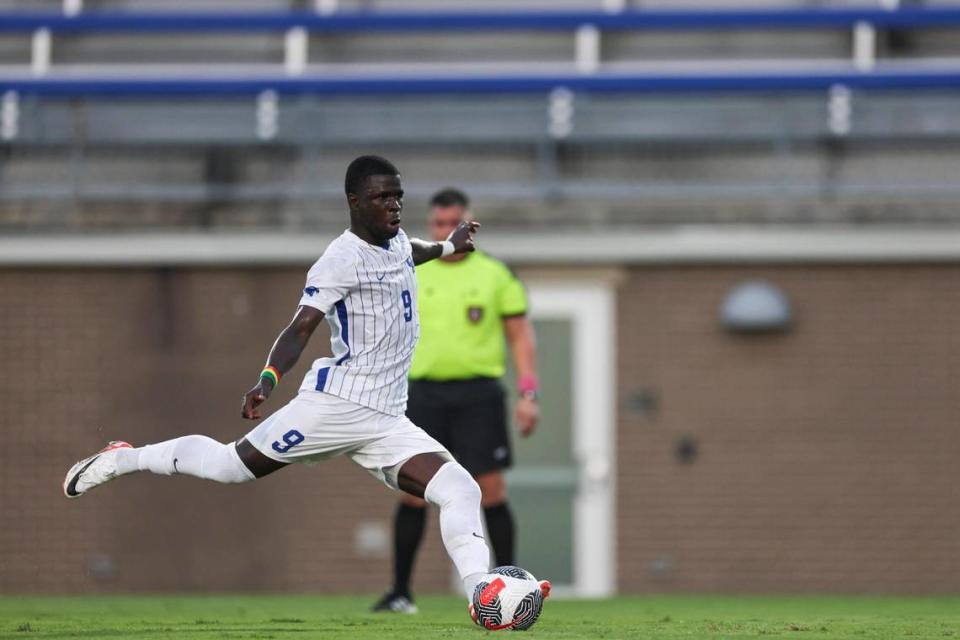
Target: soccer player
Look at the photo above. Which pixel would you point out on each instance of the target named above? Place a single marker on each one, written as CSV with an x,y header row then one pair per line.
x,y
467,304
352,403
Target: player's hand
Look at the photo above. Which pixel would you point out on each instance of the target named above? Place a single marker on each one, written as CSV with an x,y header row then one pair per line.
x,y
462,236
527,415
254,398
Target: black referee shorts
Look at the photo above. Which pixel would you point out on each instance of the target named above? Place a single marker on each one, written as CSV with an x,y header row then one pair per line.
x,y
468,417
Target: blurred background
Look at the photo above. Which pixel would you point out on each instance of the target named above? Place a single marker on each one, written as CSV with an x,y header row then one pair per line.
x,y
738,224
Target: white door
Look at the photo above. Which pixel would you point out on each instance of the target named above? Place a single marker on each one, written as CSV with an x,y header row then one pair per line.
x,y
562,484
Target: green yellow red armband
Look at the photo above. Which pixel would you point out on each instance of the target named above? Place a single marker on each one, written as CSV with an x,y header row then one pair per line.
x,y
271,374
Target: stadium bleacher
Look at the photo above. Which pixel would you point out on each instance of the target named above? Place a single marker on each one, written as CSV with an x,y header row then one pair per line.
x,y
582,113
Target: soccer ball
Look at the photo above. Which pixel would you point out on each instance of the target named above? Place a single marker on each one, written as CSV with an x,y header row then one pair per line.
x,y
508,598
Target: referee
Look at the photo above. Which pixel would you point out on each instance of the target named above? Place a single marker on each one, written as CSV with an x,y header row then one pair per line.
x,y
468,303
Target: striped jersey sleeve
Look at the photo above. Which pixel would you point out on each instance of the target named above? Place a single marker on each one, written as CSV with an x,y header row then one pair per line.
x,y
329,280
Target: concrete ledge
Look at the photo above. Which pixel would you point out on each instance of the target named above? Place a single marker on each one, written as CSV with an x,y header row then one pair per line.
x,y
612,246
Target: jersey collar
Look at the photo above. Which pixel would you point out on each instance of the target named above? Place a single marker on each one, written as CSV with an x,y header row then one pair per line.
x,y
358,240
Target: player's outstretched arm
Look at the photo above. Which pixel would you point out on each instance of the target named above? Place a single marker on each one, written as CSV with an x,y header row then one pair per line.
x,y
283,356
460,241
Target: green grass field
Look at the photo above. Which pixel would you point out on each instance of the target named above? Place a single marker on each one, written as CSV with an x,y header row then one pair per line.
x,y
304,617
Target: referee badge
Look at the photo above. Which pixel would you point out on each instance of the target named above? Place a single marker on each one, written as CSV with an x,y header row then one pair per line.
x,y
474,314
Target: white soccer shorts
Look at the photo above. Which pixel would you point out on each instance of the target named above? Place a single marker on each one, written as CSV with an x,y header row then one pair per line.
x,y
316,426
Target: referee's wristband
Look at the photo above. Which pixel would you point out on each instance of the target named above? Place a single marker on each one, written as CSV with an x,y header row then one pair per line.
x,y
272,374
446,248
528,386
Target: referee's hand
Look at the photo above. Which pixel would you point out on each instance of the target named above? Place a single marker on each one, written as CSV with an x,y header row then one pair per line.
x,y
527,414
462,236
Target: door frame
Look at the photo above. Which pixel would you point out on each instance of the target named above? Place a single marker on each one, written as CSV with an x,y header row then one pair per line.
x,y
590,306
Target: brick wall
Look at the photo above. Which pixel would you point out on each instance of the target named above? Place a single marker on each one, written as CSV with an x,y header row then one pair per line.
x,y
147,355
827,458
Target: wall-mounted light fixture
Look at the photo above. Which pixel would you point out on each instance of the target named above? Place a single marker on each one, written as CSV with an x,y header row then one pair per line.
x,y
756,306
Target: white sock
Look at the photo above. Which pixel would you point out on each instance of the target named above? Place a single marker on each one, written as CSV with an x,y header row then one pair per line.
x,y
471,581
197,456
458,496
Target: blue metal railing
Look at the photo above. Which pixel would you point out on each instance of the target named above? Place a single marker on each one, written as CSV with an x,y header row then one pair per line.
x,y
918,79
904,76
351,22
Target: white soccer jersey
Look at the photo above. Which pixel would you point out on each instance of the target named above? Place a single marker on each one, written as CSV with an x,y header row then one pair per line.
x,y
368,295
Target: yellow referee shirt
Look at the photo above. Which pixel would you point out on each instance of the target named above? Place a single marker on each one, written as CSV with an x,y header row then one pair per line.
x,y
461,306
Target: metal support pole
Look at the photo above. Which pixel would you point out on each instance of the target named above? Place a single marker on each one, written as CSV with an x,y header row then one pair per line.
x,y
9,115
864,46
40,48
295,45
268,112
587,49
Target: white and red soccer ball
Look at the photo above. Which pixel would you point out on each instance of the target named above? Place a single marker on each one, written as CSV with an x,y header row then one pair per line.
x,y
508,598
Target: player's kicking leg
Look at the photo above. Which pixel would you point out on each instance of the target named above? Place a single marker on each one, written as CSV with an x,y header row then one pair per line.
x,y
446,484
197,456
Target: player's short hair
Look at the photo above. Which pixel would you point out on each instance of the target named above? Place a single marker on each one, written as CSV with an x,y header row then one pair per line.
x,y
450,197
364,167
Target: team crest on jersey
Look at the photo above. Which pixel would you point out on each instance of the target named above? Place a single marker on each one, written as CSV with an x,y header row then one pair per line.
x,y
474,314
311,290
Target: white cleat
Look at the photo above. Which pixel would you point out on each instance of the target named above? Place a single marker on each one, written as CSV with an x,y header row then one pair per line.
x,y
91,472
